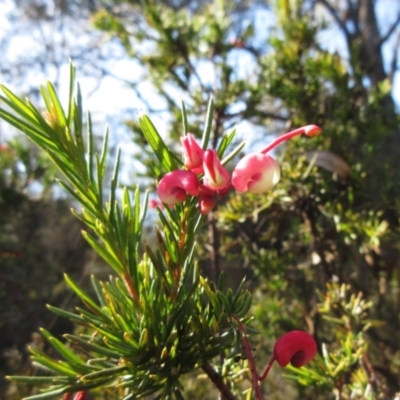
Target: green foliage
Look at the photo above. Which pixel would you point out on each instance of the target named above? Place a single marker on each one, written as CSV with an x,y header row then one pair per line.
x,y
159,318
333,218
344,364
39,238
335,213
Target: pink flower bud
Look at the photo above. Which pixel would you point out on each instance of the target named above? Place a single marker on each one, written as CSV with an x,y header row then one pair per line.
x,y
174,187
154,203
206,204
256,173
192,154
216,177
80,395
296,347
312,130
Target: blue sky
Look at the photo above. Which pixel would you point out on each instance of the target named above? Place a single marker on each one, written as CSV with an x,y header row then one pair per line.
x,y
113,96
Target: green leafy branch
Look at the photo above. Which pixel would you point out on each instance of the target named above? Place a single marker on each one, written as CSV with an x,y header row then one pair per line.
x,y
158,318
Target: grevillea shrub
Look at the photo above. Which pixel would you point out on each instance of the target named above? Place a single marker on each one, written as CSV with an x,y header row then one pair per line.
x,y
157,318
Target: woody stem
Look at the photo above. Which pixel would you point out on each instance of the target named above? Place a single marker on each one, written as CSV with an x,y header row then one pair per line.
x,y
247,349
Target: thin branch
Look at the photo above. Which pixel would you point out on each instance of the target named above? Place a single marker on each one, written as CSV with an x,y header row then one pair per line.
x,y
394,65
390,31
372,377
353,14
336,17
316,241
218,381
333,12
252,50
214,239
350,4
254,376
246,113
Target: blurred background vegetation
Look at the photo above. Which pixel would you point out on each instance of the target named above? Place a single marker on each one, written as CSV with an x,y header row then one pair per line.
x,y
321,251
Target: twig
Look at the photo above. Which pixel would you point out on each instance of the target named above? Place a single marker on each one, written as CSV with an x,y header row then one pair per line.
x,y
390,31
372,378
218,382
214,242
393,64
249,355
336,17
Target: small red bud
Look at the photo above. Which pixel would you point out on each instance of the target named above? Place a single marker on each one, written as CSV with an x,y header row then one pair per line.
x,y
206,204
154,203
312,130
80,395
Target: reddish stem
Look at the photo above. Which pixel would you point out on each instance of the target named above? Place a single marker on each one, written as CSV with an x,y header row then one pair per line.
x,y
250,358
264,375
131,287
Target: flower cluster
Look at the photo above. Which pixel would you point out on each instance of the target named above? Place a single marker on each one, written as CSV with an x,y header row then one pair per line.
x,y
205,176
